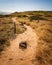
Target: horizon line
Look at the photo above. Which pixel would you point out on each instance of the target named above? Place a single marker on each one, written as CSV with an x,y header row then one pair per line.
x,y
24,11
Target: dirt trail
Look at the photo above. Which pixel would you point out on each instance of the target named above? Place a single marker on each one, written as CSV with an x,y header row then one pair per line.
x,y
15,56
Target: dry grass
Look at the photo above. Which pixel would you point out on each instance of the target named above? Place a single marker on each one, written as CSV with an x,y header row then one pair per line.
x,y
43,30
7,31
44,48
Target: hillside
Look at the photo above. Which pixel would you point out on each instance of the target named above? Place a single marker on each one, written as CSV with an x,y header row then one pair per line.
x,y
40,23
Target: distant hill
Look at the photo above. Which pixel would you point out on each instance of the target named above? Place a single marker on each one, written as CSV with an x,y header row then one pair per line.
x,y
14,13
4,13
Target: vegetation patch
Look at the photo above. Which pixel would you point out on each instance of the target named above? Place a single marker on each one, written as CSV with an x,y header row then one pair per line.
x,y
36,18
7,31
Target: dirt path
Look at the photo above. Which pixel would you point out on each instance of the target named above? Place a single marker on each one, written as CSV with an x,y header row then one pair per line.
x,y
15,56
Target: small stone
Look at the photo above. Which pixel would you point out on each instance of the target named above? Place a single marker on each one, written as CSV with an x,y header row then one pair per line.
x,y
21,59
10,59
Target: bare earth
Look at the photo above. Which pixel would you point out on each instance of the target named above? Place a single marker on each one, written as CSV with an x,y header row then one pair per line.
x,y
15,56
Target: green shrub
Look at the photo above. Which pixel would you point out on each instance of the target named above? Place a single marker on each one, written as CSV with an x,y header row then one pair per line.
x,y
36,18
24,15
2,41
19,16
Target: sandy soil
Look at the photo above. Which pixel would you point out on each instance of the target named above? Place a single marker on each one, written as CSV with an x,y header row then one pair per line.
x,y
13,55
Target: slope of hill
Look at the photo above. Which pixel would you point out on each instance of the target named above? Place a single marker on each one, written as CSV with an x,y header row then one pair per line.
x,y
4,13
39,21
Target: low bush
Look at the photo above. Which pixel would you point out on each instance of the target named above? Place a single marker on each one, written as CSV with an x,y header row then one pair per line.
x,y
36,18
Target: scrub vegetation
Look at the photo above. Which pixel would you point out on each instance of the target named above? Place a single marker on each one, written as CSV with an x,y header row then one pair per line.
x,y
41,22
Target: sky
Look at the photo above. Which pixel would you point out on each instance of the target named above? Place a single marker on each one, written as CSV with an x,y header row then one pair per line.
x,y
25,5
